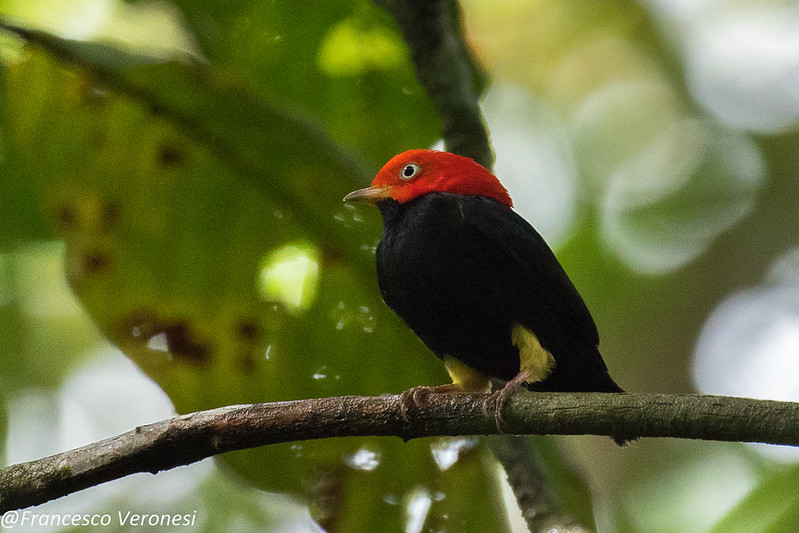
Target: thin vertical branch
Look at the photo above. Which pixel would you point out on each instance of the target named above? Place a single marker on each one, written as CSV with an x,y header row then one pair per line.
x,y
447,71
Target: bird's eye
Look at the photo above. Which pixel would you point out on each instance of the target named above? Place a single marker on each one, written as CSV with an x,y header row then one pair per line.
x,y
411,170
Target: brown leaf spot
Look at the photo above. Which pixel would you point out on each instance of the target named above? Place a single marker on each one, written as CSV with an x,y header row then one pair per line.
x,y
109,216
95,262
66,216
247,330
332,257
169,156
142,326
182,345
246,363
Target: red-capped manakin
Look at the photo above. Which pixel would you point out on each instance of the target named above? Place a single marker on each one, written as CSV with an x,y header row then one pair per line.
x,y
476,282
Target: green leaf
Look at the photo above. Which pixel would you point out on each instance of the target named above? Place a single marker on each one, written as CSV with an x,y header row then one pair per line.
x,y
20,213
771,507
568,487
343,59
667,183
183,201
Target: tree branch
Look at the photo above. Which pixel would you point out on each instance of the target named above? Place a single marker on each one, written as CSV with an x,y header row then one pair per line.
x,y
539,509
189,438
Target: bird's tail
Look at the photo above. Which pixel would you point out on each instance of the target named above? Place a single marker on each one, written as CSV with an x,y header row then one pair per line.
x,y
606,384
581,374
578,379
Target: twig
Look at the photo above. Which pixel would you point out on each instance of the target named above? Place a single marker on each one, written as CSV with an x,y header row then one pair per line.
x,y
539,509
189,438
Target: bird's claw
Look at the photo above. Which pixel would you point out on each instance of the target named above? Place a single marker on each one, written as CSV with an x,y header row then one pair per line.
x,y
408,397
415,396
499,398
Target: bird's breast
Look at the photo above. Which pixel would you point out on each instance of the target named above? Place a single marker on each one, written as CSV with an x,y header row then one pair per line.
x,y
435,273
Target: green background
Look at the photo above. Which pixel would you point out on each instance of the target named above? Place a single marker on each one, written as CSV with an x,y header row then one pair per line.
x,y
172,192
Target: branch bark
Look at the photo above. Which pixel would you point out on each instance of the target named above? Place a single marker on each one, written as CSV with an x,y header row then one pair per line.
x,y
189,438
539,508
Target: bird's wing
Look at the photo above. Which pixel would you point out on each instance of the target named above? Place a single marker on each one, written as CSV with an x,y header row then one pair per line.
x,y
544,293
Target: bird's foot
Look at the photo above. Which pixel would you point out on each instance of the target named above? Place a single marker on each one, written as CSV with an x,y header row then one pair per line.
x,y
416,395
500,397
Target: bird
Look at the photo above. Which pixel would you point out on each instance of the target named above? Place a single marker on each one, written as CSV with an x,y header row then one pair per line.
x,y
477,283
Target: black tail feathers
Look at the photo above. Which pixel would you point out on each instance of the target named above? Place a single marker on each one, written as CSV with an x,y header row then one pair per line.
x,y
582,380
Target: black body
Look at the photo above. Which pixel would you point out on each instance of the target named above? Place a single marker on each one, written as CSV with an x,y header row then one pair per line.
x,y
462,270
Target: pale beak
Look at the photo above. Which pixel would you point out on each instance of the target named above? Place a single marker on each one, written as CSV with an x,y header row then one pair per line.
x,y
369,195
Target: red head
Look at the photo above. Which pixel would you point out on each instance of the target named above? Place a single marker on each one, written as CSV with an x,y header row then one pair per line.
x,y
418,172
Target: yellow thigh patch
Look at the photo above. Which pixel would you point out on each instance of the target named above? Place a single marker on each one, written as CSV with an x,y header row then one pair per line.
x,y
465,377
533,357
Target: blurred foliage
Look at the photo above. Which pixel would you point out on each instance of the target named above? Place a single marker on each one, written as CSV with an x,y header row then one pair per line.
x,y
186,193
175,192
192,201
774,506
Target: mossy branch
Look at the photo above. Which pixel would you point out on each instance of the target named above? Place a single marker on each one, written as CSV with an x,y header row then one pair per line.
x,y
189,438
